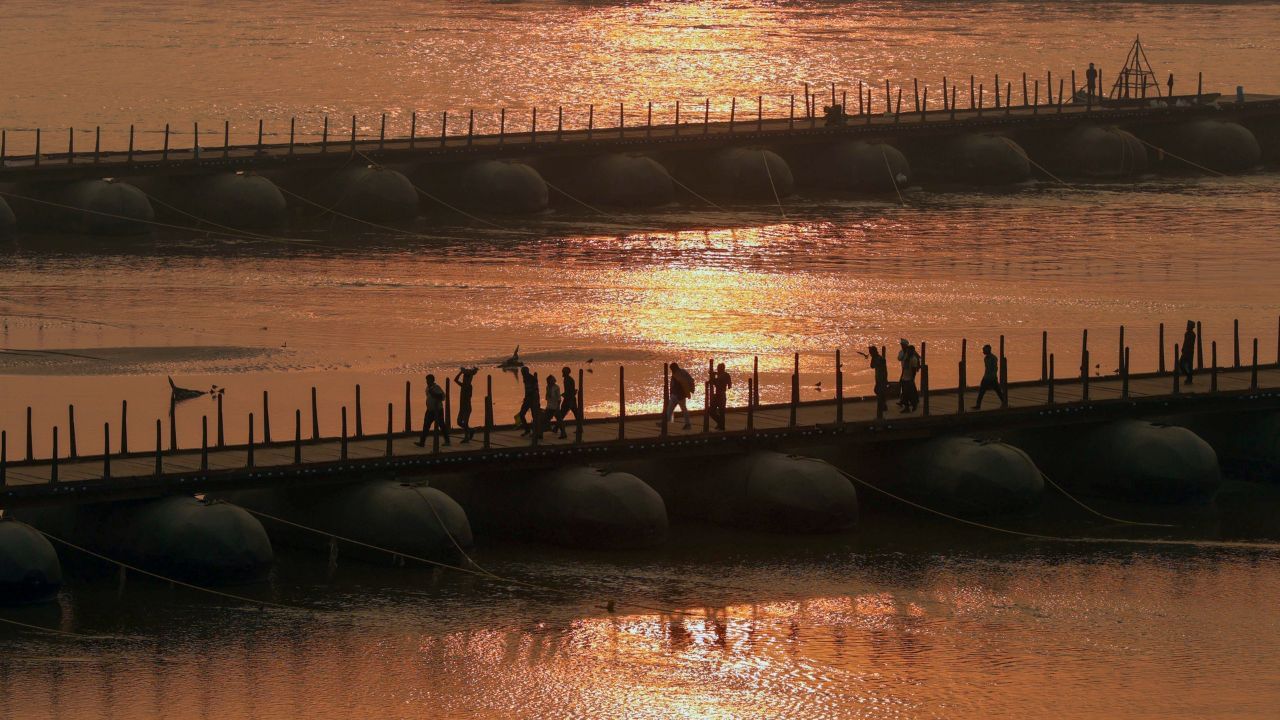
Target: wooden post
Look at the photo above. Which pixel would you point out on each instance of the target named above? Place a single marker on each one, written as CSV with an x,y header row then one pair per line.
x,y
315,416
448,406
353,134
71,431
1060,93
106,451
173,425
1008,96
755,374
343,447
4,141
706,116
751,404
533,126
733,110
471,125
1051,374
53,458
795,391
622,119
997,86
204,442
248,462
963,379
840,386
4,455
675,128
1004,375
1213,369
972,104
666,397
897,114
444,128
390,429
292,125
408,409
924,106
622,403
1199,346
413,128
124,425
159,451
30,439
759,113
582,407
1044,355
1177,371
1253,373
1120,358
648,124
324,137
1124,376
1199,86
1048,86
591,119
359,414
71,145
502,126
915,91
924,387
164,154
1024,90
559,123
791,117
706,396
128,157
488,409
980,93
1235,334
1161,344
297,437
266,418
382,132
1035,106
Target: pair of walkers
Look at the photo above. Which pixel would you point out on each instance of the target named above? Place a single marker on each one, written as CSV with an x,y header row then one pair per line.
x,y
533,417
908,392
682,387
436,418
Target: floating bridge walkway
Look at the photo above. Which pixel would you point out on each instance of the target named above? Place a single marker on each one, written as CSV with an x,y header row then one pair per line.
x,y
1248,387
182,151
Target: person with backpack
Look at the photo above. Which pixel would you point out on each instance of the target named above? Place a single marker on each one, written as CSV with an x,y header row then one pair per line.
x,y
682,386
551,412
435,412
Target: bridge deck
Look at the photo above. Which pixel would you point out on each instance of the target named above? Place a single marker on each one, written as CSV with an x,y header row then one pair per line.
x,y
229,465
116,162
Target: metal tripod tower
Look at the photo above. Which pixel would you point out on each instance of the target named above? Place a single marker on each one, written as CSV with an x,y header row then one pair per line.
x,y
1136,77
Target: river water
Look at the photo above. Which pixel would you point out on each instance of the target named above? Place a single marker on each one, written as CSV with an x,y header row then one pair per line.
x,y
851,631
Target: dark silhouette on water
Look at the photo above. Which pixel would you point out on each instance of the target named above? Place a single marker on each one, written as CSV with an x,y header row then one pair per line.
x,y
990,377
570,402
881,378
909,396
720,382
435,412
465,390
1186,360
551,412
681,389
1091,80
531,404
178,394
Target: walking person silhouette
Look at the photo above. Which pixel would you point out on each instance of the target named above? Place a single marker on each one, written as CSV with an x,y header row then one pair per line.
x,y
990,377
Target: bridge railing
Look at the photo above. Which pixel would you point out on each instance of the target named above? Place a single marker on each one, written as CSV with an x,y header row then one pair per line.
x,y
213,439
594,122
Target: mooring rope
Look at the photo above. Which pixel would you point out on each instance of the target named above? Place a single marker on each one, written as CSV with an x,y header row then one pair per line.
x,y
55,631
695,193
764,157
454,208
113,216
478,571
1057,538
1079,502
200,588
449,534
892,178
242,234
592,208
1037,165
